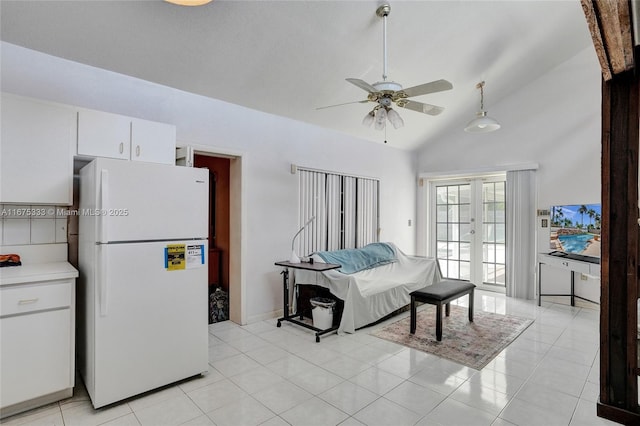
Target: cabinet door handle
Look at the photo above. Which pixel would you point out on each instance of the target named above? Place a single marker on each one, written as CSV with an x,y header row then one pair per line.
x,y
121,147
28,301
137,150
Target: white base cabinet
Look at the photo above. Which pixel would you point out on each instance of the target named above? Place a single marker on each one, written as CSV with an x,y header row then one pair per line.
x,y
35,355
37,342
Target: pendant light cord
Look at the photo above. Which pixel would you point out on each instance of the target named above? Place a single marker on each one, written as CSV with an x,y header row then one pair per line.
x,y
481,87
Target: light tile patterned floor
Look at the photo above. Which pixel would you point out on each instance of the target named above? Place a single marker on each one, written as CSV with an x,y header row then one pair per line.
x,y
263,375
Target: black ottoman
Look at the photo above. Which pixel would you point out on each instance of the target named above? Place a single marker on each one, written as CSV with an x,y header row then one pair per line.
x,y
441,293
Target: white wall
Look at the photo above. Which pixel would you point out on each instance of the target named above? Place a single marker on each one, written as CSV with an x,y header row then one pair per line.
x,y
553,121
268,145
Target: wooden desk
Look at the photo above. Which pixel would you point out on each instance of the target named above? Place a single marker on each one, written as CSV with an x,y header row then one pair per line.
x,y
318,267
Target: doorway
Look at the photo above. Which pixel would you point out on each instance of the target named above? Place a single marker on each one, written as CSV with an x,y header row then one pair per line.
x,y
219,234
468,229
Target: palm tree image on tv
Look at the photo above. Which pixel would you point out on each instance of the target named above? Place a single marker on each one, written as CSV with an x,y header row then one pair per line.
x,y
576,229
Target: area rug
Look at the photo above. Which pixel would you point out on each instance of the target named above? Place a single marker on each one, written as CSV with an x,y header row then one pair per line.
x,y
473,344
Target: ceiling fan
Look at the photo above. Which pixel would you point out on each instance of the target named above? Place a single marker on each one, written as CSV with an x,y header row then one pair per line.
x,y
386,93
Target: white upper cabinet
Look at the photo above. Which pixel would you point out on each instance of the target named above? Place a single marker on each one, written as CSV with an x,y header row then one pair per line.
x,y
102,134
153,142
36,156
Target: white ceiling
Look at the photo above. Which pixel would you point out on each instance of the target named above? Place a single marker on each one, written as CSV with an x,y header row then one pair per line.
x,y
290,57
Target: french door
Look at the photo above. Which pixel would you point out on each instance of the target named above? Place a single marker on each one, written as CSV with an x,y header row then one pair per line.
x,y
468,230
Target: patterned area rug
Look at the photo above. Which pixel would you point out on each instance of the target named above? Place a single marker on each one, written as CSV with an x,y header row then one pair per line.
x,y
473,344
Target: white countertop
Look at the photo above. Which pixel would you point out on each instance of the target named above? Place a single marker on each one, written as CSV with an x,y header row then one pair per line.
x,y
37,272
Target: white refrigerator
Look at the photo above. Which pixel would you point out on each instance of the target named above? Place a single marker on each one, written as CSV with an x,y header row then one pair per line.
x,y
143,293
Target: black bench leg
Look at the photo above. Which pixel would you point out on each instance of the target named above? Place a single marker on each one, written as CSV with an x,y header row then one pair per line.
x,y
412,327
439,322
447,309
471,306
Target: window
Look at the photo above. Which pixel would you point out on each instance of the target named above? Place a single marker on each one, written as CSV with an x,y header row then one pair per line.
x,y
344,208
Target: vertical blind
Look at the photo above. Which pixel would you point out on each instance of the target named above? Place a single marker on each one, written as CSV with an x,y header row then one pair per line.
x,y
345,210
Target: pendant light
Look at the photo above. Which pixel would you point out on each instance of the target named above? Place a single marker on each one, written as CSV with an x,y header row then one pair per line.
x,y
482,123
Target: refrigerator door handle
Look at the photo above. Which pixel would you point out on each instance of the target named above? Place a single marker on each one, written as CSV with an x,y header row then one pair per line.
x,y
102,279
104,203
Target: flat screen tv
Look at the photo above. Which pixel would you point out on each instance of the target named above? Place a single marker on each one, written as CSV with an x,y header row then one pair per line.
x,y
575,231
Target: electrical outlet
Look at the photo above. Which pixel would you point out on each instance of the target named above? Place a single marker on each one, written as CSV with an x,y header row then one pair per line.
x,y
409,222
583,277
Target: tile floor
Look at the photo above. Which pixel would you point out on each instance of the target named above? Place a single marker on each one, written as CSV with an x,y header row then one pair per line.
x,y
263,375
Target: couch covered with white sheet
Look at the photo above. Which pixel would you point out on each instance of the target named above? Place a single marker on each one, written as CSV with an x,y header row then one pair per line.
x,y
373,282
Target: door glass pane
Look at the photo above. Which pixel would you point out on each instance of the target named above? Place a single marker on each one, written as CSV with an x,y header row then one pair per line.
x,y
500,254
442,250
454,251
465,251
465,232
454,269
500,234
453,195
441,213
499,192
465,194
465,212
465,271
441,195
441,231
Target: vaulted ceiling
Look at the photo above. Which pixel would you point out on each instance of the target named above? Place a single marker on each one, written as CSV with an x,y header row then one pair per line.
x,y
290,57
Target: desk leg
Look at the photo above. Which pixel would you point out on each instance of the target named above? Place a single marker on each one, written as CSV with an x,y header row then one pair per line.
x,y
573,285
539,284
285,290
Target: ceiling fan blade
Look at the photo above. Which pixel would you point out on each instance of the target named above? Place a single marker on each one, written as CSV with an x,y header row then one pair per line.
x,y
346,103
362,84
420,107
424,89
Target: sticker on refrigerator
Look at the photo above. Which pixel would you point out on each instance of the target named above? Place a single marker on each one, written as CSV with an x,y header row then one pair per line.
x,y
195,256
174,257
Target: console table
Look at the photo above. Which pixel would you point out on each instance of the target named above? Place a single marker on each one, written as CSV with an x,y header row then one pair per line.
x,y
564,262
318,267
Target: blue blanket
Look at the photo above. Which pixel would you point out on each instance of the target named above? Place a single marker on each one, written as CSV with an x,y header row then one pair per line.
x,y
356,260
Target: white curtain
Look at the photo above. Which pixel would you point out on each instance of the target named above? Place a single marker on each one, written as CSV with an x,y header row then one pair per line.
x,y
521,244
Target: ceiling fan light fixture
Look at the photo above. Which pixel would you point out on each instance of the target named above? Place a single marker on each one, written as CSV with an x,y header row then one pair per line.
x,y
482,123
395,119
380,118
368,119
